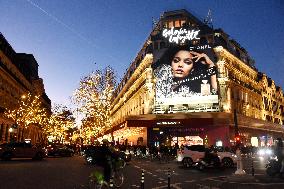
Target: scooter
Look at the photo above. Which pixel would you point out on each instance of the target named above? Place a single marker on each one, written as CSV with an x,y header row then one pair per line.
x,y
273,166
213,162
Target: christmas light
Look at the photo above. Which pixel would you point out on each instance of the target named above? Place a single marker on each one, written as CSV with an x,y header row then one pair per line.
x,y
93,99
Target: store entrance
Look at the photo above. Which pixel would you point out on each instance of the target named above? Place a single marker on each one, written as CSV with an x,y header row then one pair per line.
x,y
171,136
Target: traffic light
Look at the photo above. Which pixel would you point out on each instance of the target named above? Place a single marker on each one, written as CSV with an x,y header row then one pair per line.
x,y
237,139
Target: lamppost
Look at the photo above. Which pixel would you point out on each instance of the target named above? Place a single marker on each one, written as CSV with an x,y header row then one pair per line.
x,y
11,134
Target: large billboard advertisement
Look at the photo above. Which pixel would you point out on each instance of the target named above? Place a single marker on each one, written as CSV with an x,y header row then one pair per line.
x,y
186,74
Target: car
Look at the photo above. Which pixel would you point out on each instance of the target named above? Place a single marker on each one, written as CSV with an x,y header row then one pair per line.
x,y
59,150
91,153
21,150
192,154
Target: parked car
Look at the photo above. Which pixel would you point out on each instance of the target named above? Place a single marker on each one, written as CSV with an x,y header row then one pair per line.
x,y
21,150
192,154
91,154
59,150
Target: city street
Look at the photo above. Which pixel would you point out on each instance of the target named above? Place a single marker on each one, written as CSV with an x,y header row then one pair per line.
x,y
50,173
67,173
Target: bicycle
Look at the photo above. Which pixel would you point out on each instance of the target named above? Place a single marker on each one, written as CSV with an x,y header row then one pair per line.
x,y
97,179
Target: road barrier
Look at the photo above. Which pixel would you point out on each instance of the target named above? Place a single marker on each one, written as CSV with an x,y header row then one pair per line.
x,y
111,182
252,168
142,180
169,178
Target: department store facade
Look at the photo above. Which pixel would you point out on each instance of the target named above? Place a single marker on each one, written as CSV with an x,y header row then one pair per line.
x,y
18,77
146,111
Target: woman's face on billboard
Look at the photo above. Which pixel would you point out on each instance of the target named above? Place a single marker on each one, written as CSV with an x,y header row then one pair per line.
x,y
182,64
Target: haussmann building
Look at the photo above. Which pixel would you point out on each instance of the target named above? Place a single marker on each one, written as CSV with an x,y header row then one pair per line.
x,y
219,96
18,77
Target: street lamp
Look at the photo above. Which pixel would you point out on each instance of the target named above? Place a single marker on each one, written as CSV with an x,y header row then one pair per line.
x,y
10,129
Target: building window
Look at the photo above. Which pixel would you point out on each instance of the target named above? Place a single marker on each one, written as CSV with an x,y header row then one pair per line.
x,y
171,24
182,23
210,39
177,23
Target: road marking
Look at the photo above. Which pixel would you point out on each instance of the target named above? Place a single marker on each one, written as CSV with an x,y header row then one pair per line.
x,y
189,181
236,182
206,187
173,186
133,185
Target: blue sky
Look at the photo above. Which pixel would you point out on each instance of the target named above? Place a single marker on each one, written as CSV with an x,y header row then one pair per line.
x,y
70,38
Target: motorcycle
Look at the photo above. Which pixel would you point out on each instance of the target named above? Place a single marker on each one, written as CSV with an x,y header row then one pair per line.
x,y
273,167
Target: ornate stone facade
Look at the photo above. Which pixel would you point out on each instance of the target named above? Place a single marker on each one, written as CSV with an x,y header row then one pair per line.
x,y
255,97
18,76
251,93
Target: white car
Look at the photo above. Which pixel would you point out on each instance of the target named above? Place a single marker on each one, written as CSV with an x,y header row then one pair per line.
x,y
191,154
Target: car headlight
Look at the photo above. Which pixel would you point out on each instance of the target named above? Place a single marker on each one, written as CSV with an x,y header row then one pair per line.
x,y
268,151
261,152
234,155
179,158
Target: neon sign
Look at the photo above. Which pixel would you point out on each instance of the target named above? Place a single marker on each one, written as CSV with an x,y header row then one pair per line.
x,y
179,36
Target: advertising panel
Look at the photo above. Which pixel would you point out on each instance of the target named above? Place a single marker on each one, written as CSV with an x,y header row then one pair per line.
x,y
185,73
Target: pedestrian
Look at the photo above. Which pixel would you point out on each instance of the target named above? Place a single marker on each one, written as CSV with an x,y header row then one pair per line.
x,y
279,152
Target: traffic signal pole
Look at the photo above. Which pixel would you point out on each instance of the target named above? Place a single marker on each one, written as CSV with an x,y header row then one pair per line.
x,y
236,123
237,134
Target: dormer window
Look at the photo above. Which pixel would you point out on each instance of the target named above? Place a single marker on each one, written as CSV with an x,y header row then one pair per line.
x,y
182,23
171,24
177,24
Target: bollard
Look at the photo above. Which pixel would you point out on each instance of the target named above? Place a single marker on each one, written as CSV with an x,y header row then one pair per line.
x,y
169,178
111,182
240,170
142,180
252,168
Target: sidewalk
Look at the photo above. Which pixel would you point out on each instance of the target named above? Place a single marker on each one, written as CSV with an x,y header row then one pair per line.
x,y
233,181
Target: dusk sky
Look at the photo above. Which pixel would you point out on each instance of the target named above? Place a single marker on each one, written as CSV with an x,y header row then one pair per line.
x,y
70,38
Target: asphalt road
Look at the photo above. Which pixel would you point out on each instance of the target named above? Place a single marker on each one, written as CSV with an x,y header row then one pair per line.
x,y
50,173
72,173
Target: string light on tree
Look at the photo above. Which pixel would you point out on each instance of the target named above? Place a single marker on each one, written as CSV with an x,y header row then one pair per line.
x,y
93,99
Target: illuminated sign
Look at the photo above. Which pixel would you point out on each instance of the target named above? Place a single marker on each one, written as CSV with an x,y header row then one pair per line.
x,y
180,35
168,123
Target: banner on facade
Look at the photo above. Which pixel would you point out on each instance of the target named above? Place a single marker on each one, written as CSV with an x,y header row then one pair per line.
x,y
185,72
